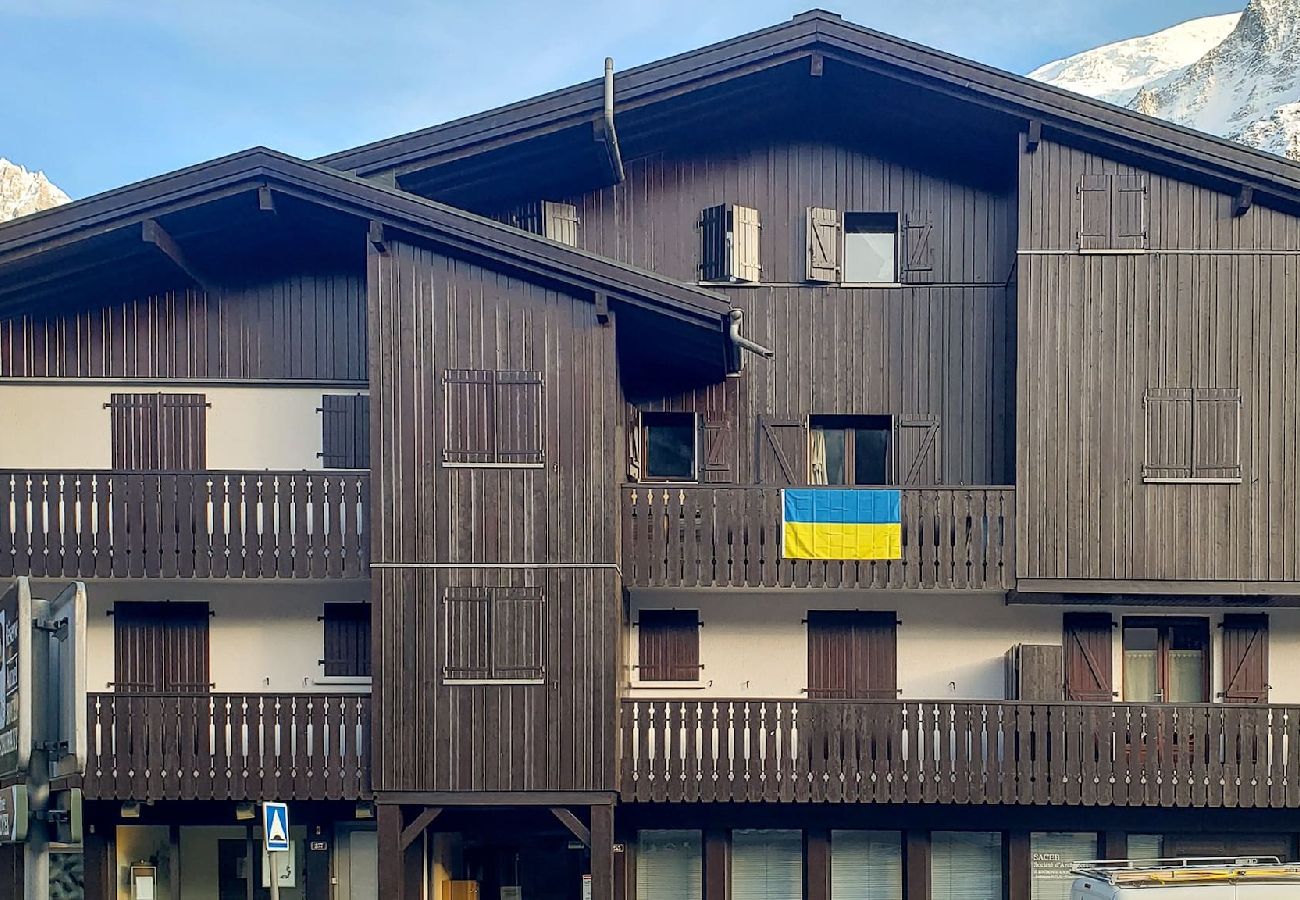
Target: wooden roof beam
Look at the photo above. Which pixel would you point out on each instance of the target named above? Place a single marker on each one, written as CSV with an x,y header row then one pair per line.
x,y
153,233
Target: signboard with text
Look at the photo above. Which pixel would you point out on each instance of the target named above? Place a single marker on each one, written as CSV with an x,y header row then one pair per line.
x,y
16,677
13,814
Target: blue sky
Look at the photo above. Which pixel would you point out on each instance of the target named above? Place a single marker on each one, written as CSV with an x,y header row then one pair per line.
x,y
100,93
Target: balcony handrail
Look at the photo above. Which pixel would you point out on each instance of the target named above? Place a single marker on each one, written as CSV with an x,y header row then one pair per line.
x,y
644,686
770,485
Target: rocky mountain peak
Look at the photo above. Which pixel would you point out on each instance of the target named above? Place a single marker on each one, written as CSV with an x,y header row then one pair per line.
x,y
23,192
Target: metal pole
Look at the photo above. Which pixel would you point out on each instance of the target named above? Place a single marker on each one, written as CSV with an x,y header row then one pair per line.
x,y
273,862
36,859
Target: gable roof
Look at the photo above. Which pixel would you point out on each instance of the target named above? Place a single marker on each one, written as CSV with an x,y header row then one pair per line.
x,y
1061,113
24,240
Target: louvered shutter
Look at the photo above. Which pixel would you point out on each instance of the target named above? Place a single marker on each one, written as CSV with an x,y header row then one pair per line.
x,y
1168,414
1129,212
917,441
1216,433
714,246
668,645
160,648
345,431
669,865
744,240
823,245
766,865
719,446
1245,658
1094,193
918,248
158,432
867,865
347,639
782,451
965,865
1087,641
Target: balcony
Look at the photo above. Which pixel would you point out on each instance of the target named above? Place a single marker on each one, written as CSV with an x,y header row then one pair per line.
x,y
228,747
974,752
724,536
184,524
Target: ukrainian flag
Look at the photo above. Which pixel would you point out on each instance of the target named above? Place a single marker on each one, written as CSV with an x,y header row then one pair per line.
x,y
826,523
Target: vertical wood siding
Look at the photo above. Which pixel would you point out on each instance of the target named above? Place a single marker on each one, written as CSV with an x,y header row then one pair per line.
x,y
430,313
1097,331
307,326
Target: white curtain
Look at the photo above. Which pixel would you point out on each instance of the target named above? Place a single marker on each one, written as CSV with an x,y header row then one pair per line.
x,y
866,865
669,865
766,865
965,865
1140,676
1186,676
817,457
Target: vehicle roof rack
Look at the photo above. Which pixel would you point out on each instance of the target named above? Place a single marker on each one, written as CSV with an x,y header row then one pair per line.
x,y
1188,869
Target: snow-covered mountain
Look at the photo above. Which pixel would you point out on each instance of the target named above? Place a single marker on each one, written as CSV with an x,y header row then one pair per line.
x,y
1236,75
23,192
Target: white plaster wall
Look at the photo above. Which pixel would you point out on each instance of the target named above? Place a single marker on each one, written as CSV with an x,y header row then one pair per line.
x,y
62,426
950,646
263,637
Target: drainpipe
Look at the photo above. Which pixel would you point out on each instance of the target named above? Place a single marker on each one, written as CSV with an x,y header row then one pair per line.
x,y
744,343
610,135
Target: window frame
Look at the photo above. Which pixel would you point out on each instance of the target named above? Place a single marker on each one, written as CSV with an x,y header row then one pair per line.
x,y
665,613
844,246
491,596
854,422
1164,625
643,428
452,376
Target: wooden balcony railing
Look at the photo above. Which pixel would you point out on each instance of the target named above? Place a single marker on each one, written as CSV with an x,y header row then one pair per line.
x,y
723,536
845,751
228,747
186,524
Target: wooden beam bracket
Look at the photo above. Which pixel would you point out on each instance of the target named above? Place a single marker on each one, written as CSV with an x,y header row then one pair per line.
x,y
153,233
1034,136
573,823
1244,201
412,832
816,65
602,307
376,236
265,199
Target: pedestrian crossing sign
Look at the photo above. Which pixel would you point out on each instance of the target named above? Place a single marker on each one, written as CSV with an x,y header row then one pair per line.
x,y
275,827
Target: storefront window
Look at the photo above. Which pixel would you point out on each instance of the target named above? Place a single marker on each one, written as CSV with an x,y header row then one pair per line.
x,y
1051,856
1145,846
766,865
669,865
866,865
965,865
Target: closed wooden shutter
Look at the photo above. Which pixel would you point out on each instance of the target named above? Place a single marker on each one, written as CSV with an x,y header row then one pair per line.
x,y
493,417
852,655
918,248
494,633
160,648
1087,641
1094,212
1216,433
467,641
1245,658
719,444
669,865
782,451
347,639
1168,414
668,645
158,432
823,245
518,411
917,440
345,431
1129,212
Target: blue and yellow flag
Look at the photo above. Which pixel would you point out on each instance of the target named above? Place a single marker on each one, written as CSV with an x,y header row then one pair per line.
x,y
823,523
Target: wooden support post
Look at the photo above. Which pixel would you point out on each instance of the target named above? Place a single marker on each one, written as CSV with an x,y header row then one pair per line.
x,y
98,863
624,864
717,864
1113,845
916,865
391,868
817,864
1016,866
602,852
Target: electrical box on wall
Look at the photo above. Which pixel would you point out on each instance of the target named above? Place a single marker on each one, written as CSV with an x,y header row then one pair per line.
x,y
144,882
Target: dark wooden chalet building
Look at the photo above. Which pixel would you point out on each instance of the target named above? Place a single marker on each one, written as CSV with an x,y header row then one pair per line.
x,y
437,487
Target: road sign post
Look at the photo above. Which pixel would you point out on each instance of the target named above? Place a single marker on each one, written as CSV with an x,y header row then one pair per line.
x,y
275,837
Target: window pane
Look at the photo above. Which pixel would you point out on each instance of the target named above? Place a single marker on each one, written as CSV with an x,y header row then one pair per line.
x,y
871,456
965,865
870,248
766,865
1140,685
670,447
1145,846
866,865
1051,856
1186,676
669,865
834,438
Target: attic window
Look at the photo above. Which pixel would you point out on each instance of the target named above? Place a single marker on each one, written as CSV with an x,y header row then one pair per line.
x,y
870,248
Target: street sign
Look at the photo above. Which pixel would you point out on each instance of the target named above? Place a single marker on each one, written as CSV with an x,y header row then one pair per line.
x,y
275,827
13,814
16,679
66,694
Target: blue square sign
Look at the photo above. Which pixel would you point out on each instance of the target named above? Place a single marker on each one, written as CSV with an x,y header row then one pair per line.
x,y
275,827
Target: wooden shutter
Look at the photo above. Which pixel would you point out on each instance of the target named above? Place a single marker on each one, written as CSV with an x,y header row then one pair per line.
x,y
158,432
668,645
714,256
918,247
1094,212
493,417
1033,673
467,647
635,450
1245,658
347,639
345,431
1086,655
744,240
1168,413
517,405
782,451
852,655
560,222
917,441
160,648
823,239
1216,433
719,452
494,633
1129,212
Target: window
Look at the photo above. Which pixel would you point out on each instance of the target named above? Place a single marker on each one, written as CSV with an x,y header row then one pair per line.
x,y
965,865
160,647
849,450
1112,212
867,865
669,865
766,865
1166,660
345,431
729,244
347,640
852,655
668,645
1051,856
1192,434
494,634
557,221
1145,846
670,445
493,418
870,248
159,432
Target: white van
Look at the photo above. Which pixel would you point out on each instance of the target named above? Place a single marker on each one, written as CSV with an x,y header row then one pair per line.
x,y
1194,878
